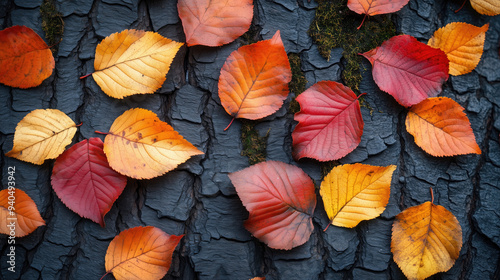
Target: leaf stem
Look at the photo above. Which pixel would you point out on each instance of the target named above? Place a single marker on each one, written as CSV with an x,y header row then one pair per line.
x,y
432,195
362,21
463,4
99,132
79,124
83,77
229,124
107,272
329,223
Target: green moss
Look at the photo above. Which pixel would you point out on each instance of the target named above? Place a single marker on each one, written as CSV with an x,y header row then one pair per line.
x,y
336,26
298,83
254,146
52,24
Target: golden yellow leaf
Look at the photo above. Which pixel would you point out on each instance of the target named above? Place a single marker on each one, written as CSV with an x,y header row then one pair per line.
x,y
463,44
426,239
141,146
486,7
42,134
132,62
355,192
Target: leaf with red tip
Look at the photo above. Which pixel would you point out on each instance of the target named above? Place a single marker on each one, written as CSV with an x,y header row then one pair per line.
x,y
408,70
18,208
375,7
84,181
214,22
330,122
281,200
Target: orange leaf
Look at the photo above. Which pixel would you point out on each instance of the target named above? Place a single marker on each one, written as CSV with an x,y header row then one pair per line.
x,y
141,253
486,7
132,62
18,213
462,43
253,82
25,59
141,146
214,22
42,134
355,192
441,128
426,239
375,7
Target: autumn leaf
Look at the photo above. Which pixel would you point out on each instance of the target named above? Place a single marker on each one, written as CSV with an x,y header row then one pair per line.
x,y
141,146
408,70
281,201
42,134
84,181
330,122
375,7
18,213
426,239
486,7
462,43
140,253
214,22
25,59
253,82
441,128
355,192
132,62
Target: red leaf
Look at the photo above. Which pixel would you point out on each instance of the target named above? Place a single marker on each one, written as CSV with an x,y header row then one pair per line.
x,y
330,123
84,182
375,7
281,201
408,70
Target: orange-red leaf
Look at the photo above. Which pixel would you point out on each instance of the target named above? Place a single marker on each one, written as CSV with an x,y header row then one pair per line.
x,y
141,253
375,7
408,70
25,59
281,201
253,82
84,181
462,43
214,22
441,128
486,7
426,239
141,146
330,122
18,213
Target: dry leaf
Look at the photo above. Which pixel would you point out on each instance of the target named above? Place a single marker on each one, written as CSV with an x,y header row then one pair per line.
x,y
462,43
355,192
42,134
426,239
132,62
19,210
141,146
486,7
375,7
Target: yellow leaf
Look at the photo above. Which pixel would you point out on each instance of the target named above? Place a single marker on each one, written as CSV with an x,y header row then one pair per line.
x,y
463,44
486,7
426,239
42,134
132,62
141,146
355,192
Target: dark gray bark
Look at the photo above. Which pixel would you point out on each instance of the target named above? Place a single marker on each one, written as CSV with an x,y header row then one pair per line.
x,y
198,199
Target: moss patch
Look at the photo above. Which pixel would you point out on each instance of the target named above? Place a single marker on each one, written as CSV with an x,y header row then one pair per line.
x,y
52,24
298,83
254,146
336,26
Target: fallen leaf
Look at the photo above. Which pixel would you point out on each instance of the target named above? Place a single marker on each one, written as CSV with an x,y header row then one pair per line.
x,y
19,211
426,239
214,22
25,59
375,7
140,253
132,62
408,70
356,192
84,181
280,199
253,82
141,146
441,128
462,43
486,7
42,134
330,122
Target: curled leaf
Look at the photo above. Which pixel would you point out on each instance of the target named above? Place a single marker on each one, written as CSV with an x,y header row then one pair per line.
x,y
18,213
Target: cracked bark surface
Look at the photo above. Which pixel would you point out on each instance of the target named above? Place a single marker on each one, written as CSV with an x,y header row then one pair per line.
x,y
197,199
